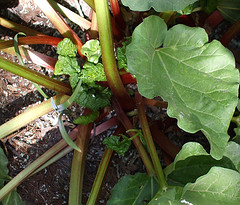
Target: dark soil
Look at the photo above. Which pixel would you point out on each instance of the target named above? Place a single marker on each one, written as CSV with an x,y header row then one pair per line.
x,y
51,185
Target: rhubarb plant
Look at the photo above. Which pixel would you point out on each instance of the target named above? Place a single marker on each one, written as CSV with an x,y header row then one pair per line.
x,y
195,78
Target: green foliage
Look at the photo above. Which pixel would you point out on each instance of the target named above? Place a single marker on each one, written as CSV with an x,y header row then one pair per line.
x,y
219,186
66,65
230,10
92,50
86,119
232,151
138,189
13,197
170,197
158,5
184,71
114,143
193,161
3,168
66,48
237,137
121,55
93,97
92,72
190,8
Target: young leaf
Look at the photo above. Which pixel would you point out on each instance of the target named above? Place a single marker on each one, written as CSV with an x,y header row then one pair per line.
x,y
121,55
198,79
219,186
158,5
94,98
192,162
86,119
114,143
170,197
74,79
92,73
66,65
66,48
138,189
92,50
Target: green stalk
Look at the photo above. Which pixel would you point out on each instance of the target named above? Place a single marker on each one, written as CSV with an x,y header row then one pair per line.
x,y
84,23
149,141
100,176
136,140
58,156
19,28
108,57
30,115
34,56
78,165
35,77
17,180
102,169
59,23
61,154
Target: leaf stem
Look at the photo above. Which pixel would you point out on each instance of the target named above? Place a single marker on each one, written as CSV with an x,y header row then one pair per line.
x,y
84,23
100,176
78,165
149,141
17,180
136,140
30,115
34,76
102,169
108,57
19,28
117,13
59,23
49,40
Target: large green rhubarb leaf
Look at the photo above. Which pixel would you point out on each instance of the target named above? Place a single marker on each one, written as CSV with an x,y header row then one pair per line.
x,y
158,5
197,78
170,197
219,186
193,161
136,189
